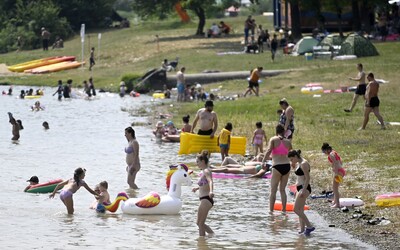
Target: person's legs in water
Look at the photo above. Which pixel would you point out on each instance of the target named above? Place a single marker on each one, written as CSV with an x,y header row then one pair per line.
x,y
132,176
276,178
299,210
282,190
204,208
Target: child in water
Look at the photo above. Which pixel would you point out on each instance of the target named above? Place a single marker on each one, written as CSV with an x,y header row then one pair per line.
x,y
186,126
70,187
224,140
160,131
37,106
45,125
16,127
258,136
34,180
103,198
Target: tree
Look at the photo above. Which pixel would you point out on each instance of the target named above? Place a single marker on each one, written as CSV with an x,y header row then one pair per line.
x,y
356,15
295,16
145,8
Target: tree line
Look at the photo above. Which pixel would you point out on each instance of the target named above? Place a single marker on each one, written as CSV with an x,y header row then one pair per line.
x,y
25,18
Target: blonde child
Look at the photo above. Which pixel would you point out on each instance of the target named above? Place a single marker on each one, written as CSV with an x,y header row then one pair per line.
x,y
258,137
103,198
224,140
70,187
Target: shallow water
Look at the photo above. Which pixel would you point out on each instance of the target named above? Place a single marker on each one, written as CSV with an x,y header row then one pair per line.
x,y
90,134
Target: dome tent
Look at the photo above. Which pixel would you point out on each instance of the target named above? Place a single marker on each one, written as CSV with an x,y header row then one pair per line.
x,y
357,45
305,45
332,40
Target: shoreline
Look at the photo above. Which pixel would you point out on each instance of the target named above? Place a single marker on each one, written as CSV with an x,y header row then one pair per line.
x,y
378,236
375,235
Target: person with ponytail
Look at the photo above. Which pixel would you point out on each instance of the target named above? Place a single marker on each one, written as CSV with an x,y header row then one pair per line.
x,y
187,127
338,171
70,187
206,195
302,171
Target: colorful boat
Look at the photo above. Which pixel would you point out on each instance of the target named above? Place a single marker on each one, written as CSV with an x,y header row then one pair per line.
x,y
22,67
46,187
55,67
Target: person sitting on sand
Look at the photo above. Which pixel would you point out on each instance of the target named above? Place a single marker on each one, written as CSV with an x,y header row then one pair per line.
x,y
34,180
254,167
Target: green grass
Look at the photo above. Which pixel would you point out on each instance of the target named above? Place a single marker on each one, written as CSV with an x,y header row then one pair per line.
x,y
370,156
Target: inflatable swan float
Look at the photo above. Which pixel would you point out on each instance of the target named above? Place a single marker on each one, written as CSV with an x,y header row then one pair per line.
x,y
168,204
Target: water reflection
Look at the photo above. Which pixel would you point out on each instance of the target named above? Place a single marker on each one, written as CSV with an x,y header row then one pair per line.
x,y
91,134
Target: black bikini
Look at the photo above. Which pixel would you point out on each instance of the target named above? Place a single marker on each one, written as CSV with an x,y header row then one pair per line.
x,y
208,198
299,172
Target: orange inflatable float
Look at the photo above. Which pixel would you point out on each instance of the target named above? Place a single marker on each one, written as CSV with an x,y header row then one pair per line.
x,y
289,206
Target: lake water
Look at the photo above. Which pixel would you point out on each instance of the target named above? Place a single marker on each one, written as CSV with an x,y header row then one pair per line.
x,y
90,134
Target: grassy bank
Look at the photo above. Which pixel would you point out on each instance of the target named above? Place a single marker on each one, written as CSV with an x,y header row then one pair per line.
x,y
370,156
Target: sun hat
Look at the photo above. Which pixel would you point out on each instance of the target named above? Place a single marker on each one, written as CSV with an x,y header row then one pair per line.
x,y
160,124
33,179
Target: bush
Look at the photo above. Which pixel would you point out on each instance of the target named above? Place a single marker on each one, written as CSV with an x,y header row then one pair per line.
x,y
131,81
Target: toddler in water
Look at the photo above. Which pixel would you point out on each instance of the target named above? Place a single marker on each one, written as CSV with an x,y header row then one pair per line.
x,y
258,136
186,126
103,198
160,130
224,140
70,187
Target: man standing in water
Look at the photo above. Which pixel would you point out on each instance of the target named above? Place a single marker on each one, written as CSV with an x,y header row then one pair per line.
x,y
372,102
208,120
360,91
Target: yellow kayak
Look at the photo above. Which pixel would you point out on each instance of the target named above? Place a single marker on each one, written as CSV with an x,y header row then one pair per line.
x,y
55,67
38,63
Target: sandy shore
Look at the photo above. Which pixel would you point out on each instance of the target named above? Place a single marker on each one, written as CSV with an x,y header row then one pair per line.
x,y
358,224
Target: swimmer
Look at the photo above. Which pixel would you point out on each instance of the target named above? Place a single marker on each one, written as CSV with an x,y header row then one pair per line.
x,y
16,127
34,180
70,187
45,125
278,149
302,171
160,130
338,172
37,106
206,188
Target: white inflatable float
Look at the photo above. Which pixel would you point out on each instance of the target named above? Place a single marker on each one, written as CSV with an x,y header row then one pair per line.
x,y
168,204
351,202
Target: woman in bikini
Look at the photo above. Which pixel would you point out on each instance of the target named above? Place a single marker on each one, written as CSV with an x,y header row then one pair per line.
x,y
186,126
338,172
278,149
132,157
70,187
206,187
302,171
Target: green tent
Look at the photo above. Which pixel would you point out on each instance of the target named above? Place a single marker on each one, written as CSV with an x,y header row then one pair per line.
x,y
332,40
305,45
357,45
